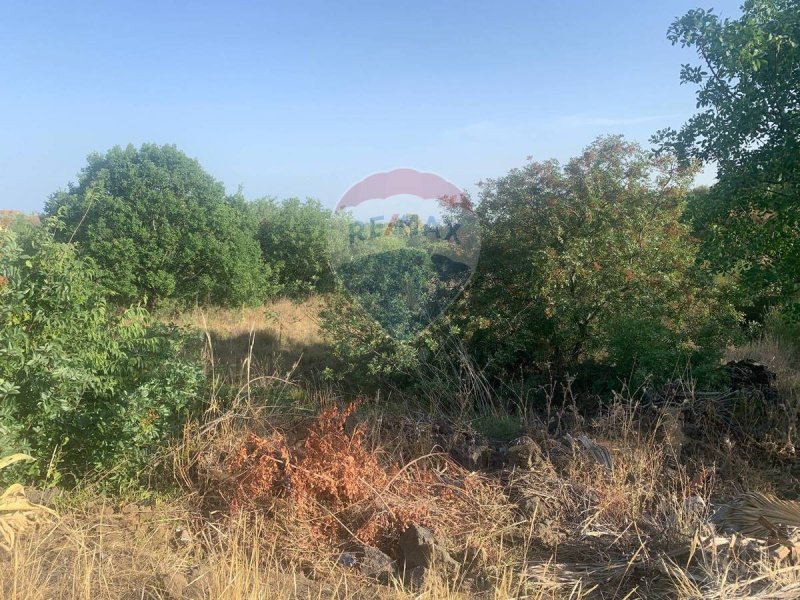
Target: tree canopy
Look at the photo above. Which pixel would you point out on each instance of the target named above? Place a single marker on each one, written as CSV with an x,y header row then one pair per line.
x,y
748,123
159,227
584,268
590,263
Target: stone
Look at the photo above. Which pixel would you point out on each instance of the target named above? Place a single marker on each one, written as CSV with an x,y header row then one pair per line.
x,y
523,453
421,549
346,559
182,537
530,507
44,497
415,578
376,565
473,457
780,552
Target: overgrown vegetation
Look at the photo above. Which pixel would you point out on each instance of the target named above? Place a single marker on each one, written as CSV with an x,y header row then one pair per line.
x,y
293,236
747,124
232,399
585,268
84,388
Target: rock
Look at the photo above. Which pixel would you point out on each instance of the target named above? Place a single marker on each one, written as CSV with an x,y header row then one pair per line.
x,y
523,453
44,497
346,559
748,373
376,565
421,549
530,507
130,509
175,585
416,578
780,552
473,456
182,537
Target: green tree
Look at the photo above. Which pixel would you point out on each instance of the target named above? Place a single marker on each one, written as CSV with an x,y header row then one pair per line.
x,y
586,268
294,243
158,226
749,125
590,264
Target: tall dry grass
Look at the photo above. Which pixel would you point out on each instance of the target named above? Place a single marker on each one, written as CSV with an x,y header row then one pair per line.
x,y
562,525
274,338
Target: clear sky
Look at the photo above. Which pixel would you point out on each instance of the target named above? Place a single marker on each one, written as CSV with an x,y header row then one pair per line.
x,y
306,98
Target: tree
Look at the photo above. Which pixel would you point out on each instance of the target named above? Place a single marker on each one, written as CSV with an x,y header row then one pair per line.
x,y
586,268
749,124
590,264
159,227
294,242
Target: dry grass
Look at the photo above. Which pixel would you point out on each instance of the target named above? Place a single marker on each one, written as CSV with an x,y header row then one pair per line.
x,y
88,556
274,338
562,523
562,527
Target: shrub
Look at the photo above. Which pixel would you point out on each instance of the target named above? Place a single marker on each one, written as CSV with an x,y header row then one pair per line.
x,y
331,489
583,268
159,227
294,243
591,263
334,478
368,356
82,386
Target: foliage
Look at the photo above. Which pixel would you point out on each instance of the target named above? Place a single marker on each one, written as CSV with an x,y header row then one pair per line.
x,y
748,125
326,480
590,263
394,287
294,240
404,274
88,388
368,355
582,266
159,227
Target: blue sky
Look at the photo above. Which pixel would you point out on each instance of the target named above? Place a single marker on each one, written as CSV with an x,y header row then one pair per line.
x,y
306,98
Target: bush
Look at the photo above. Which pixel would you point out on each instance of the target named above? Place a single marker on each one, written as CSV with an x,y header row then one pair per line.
x,y
159,227
294,243
592,264
368,356
587,267
82,387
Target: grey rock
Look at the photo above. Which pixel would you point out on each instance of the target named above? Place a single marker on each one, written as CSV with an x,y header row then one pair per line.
x,y
376,565
473,456
415,578
524,453
421,549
